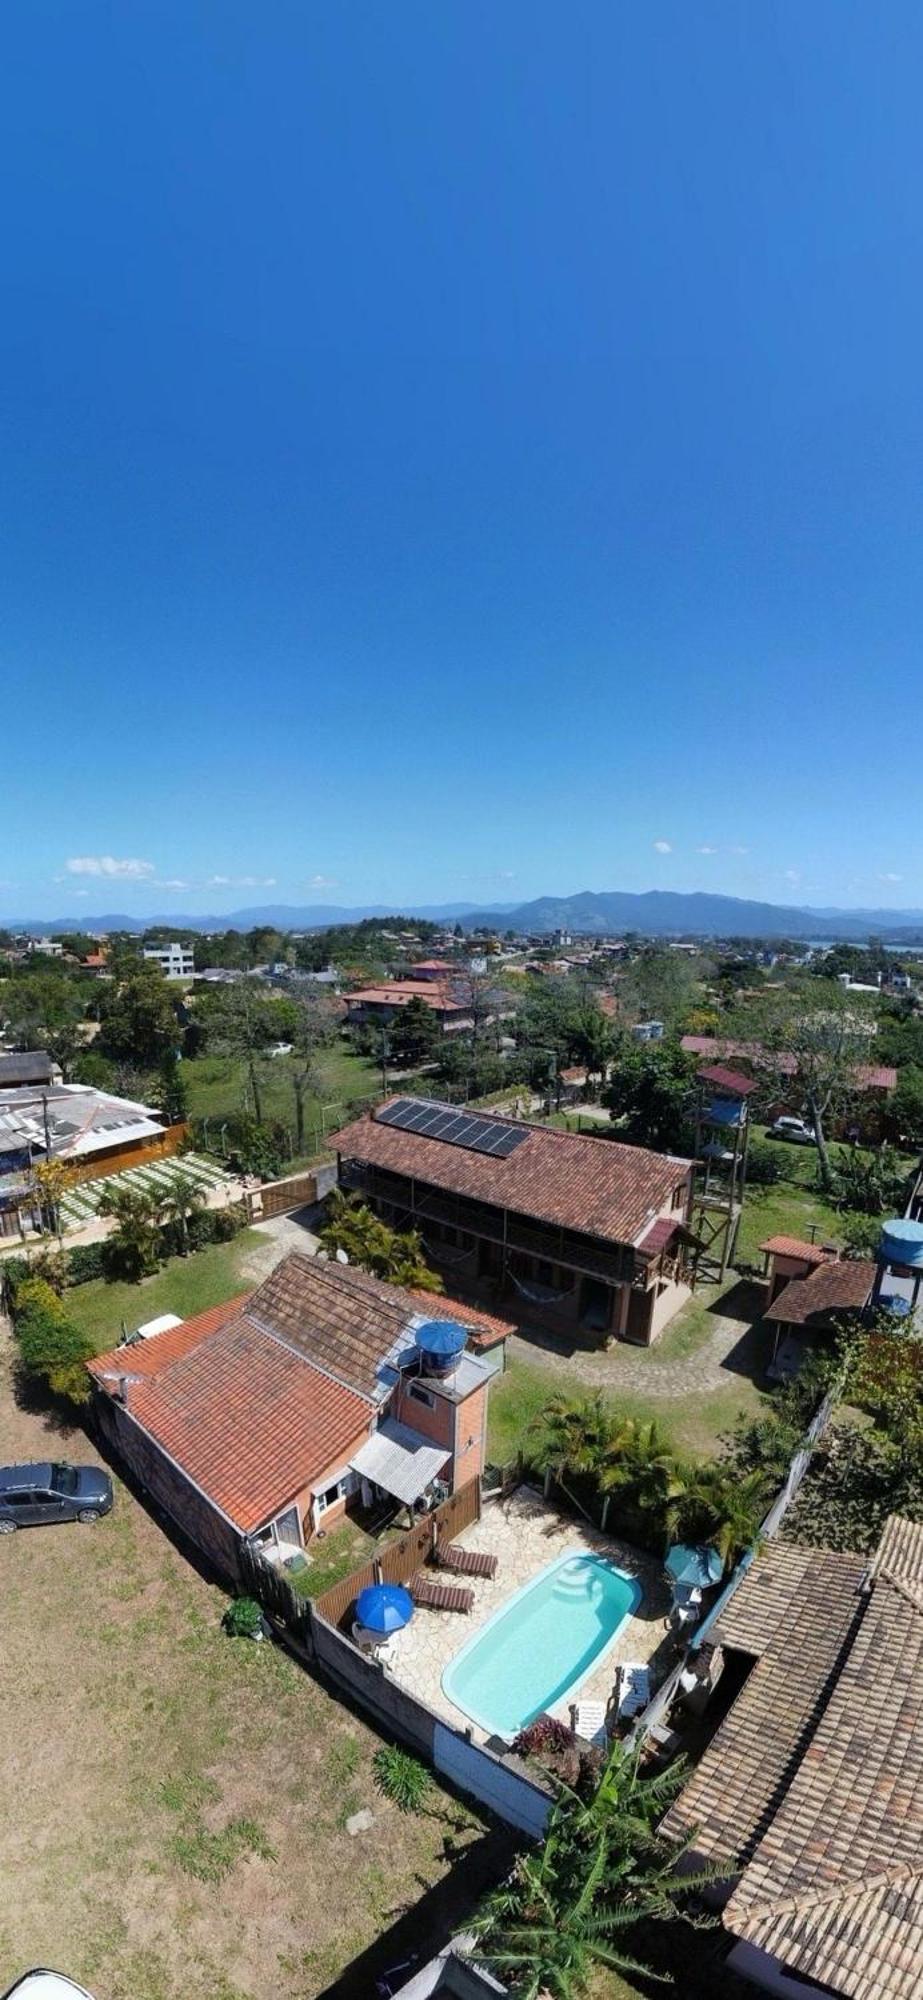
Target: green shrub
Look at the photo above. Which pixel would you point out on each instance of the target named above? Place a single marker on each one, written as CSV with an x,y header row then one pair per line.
x,y
243,1618
55,1350
34,1296
15,1271
764,1165
85,1263
402,1778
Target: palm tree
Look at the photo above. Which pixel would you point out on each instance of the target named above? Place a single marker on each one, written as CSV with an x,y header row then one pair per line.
x,y
138,1217
180,1198
570,1906
721,1507
573,1435
641,1464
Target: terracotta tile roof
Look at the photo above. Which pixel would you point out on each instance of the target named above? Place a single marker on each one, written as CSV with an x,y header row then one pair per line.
x,y
151,1357
835,1888
727,1079
404,990
340,1319
248,1420
866,1076
658,1236
795,1609
793,1246
840,1284
596,1186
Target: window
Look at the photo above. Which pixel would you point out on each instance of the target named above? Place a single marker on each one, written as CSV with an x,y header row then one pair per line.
x,y
421,1395
64,1479
340,1490
21,1498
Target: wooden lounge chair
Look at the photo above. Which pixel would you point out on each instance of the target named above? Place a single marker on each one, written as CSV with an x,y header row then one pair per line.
x,y
465,1562
439,1596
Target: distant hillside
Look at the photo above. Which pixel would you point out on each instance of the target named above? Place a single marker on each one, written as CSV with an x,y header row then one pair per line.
x,y
668,913
656,913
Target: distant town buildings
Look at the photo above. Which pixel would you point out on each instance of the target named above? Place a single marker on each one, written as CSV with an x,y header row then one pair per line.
x,y
176,961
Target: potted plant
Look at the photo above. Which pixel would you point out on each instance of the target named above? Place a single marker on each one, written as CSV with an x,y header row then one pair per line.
x,y
243,1619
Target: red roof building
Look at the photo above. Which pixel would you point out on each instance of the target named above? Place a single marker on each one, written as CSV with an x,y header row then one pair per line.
x,y
261,1418
543,1224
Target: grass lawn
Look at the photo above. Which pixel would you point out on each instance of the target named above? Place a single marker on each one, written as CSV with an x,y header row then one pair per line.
x,y
344,1549
180,1798
695,1424
217,1088
790,1209
186,1285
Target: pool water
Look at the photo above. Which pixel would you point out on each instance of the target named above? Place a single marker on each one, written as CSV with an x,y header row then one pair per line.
x,y
541,1644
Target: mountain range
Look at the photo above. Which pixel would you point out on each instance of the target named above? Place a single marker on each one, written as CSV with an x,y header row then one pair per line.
x,y
654,913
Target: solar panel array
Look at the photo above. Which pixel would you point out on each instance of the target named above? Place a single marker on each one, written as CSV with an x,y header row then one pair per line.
x,y
456,1128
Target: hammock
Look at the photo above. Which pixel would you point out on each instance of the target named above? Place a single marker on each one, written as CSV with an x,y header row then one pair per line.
x,y
445,1253
542,1295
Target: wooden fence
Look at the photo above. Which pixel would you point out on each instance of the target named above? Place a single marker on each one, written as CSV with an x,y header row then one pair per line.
x,y
174,1137
399,1560
295,1191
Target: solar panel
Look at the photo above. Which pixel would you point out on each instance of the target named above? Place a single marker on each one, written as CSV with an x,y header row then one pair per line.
x,y
456,1128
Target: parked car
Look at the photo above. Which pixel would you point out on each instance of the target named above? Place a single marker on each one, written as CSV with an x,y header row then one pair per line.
x,y
41,1984
30,1495
793,1129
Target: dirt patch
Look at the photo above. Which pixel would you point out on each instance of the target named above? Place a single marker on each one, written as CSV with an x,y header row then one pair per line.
x,y
176,1801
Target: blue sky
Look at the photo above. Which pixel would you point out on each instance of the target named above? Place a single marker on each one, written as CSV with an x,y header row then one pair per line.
x,y
458,452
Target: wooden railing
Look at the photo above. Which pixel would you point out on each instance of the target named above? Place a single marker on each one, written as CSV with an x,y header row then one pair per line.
x,y
399,1560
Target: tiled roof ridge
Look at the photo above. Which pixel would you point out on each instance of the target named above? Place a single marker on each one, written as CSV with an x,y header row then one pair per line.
x,y
761,1912
307,1360
900,1584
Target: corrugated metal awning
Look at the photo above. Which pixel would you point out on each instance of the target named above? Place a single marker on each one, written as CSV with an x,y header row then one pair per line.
x,y
399,1460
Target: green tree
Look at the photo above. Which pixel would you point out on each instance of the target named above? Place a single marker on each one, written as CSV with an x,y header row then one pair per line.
x,y
181,1198
722,1507
172,1096
51,1347
365,1240
138,1018
243,1022
133,1249
650,1092
573,1435
571,1906
414,1034
815,1052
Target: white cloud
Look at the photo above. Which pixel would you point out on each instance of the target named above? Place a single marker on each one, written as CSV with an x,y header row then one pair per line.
x,y
106,864
740,850
322,882
793,874
890,877
663,847
237,882
172,882
706,850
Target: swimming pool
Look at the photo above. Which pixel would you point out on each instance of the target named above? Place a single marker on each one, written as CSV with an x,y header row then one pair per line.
x,y
542,1643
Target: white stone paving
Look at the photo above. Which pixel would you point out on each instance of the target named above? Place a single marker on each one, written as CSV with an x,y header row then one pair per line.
x,y
526,1533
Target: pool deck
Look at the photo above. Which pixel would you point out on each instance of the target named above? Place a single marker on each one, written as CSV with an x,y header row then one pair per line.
x,y
526,1533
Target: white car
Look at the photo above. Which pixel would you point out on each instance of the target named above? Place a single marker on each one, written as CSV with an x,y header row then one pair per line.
x,y
41,1984
281,1049
793,1129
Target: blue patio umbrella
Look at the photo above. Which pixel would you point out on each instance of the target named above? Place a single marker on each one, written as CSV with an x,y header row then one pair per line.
x,y
384,1607
695,1567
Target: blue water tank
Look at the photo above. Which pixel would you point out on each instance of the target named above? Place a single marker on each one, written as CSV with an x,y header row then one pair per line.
x,y
902,1243
440,1342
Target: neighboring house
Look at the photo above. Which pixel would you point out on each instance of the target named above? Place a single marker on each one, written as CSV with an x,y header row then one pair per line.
x,y
263,1419
176,961
818,1301
578,1232
377,1005
786,1257
46,948
873,1082
438,969
89,1130
30,1066
809,1797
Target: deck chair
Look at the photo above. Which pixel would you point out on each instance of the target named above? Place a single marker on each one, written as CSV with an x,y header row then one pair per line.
x,y
439,1596
465,1562
588,1720
632,1688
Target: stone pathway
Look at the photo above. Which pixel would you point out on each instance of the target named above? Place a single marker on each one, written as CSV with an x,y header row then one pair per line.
x,y
641,1371
280,1235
